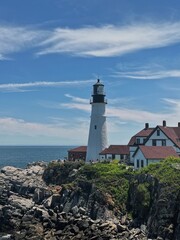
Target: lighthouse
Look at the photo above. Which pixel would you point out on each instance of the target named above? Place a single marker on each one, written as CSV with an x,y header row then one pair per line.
x,y
97,140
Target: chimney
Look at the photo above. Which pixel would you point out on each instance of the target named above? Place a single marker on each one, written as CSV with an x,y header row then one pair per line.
x,y
146,125
164,123
178,124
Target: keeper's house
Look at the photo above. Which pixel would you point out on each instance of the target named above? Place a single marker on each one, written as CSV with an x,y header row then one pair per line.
x,y
145,155
154,144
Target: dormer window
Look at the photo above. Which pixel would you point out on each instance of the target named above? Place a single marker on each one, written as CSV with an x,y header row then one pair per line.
x,y
158,132
137,140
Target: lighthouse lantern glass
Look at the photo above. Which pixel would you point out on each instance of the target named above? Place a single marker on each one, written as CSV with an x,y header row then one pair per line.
x,y
100,89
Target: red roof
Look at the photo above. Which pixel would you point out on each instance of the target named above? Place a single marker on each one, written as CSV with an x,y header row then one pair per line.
x,y
79,149
143,133
116,149
157,152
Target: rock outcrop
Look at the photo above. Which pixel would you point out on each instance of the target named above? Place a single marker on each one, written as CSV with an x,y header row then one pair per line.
x,y
157,205
31,209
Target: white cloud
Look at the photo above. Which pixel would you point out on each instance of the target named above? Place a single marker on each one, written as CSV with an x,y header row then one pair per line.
x,y
148,74
20,86
170,112
14,39
75,131
77,99
106,41
102,41
79,106
67,132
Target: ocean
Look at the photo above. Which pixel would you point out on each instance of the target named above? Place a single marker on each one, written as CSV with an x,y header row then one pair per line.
x,y
20,156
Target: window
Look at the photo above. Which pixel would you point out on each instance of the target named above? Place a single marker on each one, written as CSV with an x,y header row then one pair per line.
x,y
137,163
142,163
163,142
154,142
95,127
138,140
158,132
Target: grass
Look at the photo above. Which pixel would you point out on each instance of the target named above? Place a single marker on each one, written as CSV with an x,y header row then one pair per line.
x,y
166,171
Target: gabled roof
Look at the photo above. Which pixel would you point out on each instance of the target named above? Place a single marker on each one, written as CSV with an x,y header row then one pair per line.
x,y
173,133
116,149
157,152
79,149
143,133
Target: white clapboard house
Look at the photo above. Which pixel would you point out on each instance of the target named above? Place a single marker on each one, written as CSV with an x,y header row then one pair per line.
x,y
151,145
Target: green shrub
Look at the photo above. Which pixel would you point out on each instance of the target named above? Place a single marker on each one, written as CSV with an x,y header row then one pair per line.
x,y
58,172
166,171
109,178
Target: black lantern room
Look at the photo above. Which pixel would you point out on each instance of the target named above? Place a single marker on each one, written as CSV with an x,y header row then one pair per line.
x,y
98,95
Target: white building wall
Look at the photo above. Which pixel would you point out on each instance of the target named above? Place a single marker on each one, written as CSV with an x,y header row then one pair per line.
x,y
132,150
160,137
97,132
117,157
108,156
159,142
102,157
139,156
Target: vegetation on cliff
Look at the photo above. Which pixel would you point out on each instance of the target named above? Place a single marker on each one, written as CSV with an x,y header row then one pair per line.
x,y
109,178
167,171
115,179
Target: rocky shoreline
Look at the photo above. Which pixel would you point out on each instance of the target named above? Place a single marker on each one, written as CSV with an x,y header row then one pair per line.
x,y
30,209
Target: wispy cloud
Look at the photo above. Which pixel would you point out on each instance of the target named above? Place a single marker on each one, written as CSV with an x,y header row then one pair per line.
x,y
78,106
110,40
64,130
14,39
21,86
148,74
77,99
170,111
93,41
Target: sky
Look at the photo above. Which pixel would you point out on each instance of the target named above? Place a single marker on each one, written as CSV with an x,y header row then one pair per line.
x,y
53,51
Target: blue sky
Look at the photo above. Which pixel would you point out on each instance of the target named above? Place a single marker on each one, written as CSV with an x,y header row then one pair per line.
x,y
52,52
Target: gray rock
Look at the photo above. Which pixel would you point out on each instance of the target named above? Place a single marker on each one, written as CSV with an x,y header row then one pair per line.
x,y
20,202
75,209
6,237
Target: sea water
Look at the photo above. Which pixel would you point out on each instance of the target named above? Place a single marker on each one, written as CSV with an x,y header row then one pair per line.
x,y
20,156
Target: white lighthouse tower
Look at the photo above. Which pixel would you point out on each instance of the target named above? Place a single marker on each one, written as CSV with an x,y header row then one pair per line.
x,y
97,140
